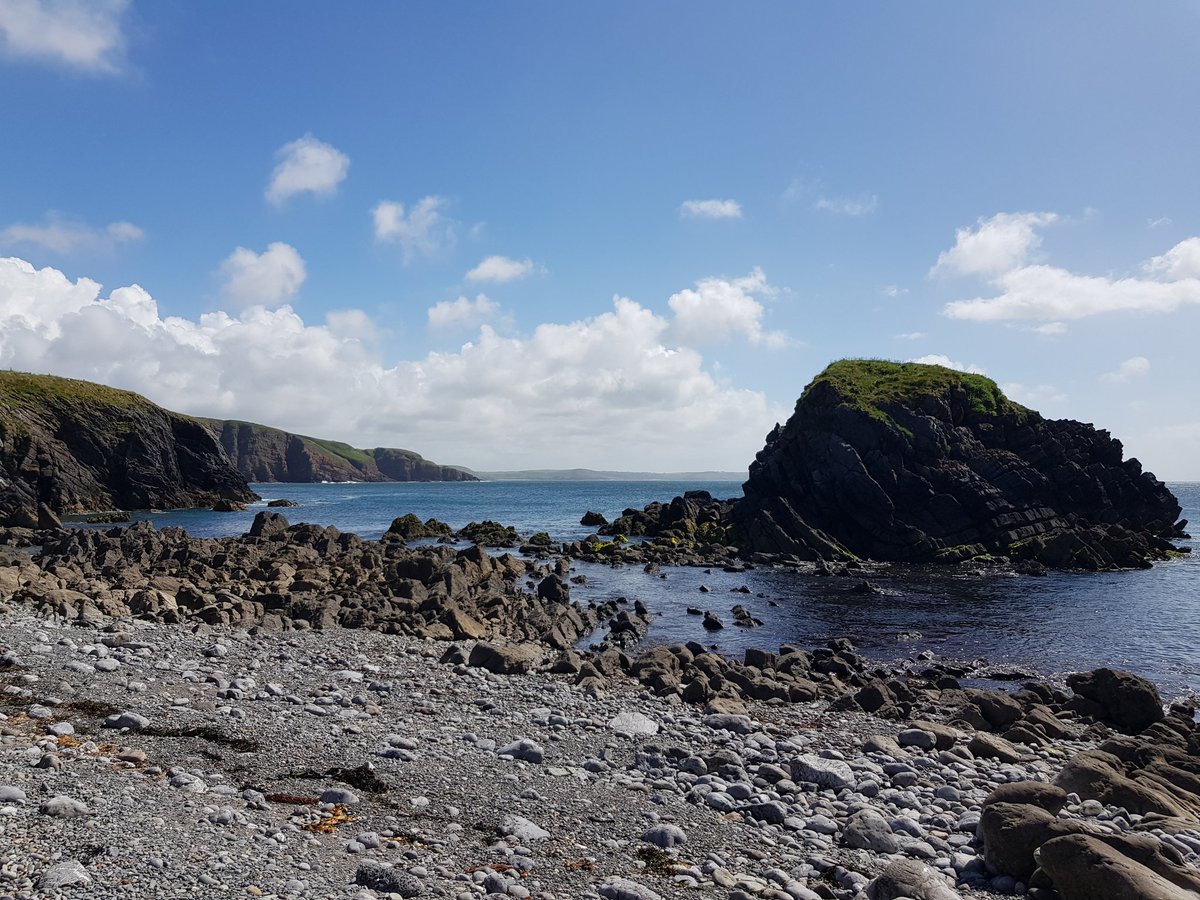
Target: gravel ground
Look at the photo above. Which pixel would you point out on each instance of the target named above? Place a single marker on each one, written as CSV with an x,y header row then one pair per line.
x,y
163,761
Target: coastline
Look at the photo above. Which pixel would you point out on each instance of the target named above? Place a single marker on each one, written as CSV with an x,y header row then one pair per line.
x,y
799,773
449,780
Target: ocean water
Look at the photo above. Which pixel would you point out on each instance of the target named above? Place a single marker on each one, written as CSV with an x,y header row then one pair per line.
x,y
1147,621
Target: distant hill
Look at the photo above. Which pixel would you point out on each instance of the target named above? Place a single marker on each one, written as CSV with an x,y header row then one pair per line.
x,y
69,446
602,475
265,454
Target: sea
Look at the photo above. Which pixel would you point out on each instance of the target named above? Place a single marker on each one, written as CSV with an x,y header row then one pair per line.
x,y
1147,621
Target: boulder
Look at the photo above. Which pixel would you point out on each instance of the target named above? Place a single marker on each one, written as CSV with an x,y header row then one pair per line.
x,y
1086,868
1049,797
907,878
1128,701
1011,832
1095,775
989,746
506,659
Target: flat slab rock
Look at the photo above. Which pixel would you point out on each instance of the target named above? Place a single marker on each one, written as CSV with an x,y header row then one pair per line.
x,y
827,773
633,723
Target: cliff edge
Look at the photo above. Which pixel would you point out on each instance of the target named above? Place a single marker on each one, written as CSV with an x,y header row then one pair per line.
x,y
70,446
262,453
919,463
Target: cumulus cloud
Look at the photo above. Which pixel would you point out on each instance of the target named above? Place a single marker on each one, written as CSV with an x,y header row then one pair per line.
x,y
1054,294
938,359
719,308
501,269
609,391
999,247
80,34
306,166
422,231
862,205
710,209
995,245
65,236
462,312
1181,261
266,278
1134,367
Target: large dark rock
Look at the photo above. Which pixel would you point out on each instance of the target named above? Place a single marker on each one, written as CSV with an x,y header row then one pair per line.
x,y
70,446
910,462
1128,701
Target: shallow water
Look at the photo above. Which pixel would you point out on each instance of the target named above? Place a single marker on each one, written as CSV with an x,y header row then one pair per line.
x,y
1147,621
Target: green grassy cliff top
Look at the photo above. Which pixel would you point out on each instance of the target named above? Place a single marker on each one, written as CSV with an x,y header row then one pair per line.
x,y
22,389
870,385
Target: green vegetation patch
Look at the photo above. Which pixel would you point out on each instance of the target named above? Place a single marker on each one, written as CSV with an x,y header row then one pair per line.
x,y
872,386
358,458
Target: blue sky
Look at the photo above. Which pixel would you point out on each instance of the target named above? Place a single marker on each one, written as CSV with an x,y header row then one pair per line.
x,y
512,235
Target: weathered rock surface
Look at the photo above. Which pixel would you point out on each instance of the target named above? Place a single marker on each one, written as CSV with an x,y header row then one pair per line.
x,y
264,454
70,446
909,462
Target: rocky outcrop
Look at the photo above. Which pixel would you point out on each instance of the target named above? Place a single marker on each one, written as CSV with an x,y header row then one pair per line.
x,y
265,454
281,576
917,463
70,446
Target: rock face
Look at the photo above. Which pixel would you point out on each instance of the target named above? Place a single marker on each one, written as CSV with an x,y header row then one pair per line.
x,y
71,446
268,454
917,463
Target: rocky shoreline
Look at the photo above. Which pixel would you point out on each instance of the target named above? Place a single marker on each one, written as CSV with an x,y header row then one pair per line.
x,y
301,713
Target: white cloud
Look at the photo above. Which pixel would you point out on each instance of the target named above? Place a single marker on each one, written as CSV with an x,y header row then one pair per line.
x,y
862,205
1053,294
80,34
996,245
609,390
463,312
710,209
501,269
893,290
1134,367
719,308
938,359
423,231
1051,329
352,324
1181,261
1045,398
266,278
306,165
910,336
66,236
1159,222
999,247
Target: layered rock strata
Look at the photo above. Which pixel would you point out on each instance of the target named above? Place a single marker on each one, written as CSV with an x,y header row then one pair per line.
x,y
917,463
71,446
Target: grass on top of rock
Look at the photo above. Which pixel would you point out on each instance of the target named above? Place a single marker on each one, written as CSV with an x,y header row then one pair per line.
x,y
872,385
113,411
23,389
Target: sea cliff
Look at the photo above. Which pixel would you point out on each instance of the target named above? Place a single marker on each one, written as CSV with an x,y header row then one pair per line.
x,y
262,453
70,446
